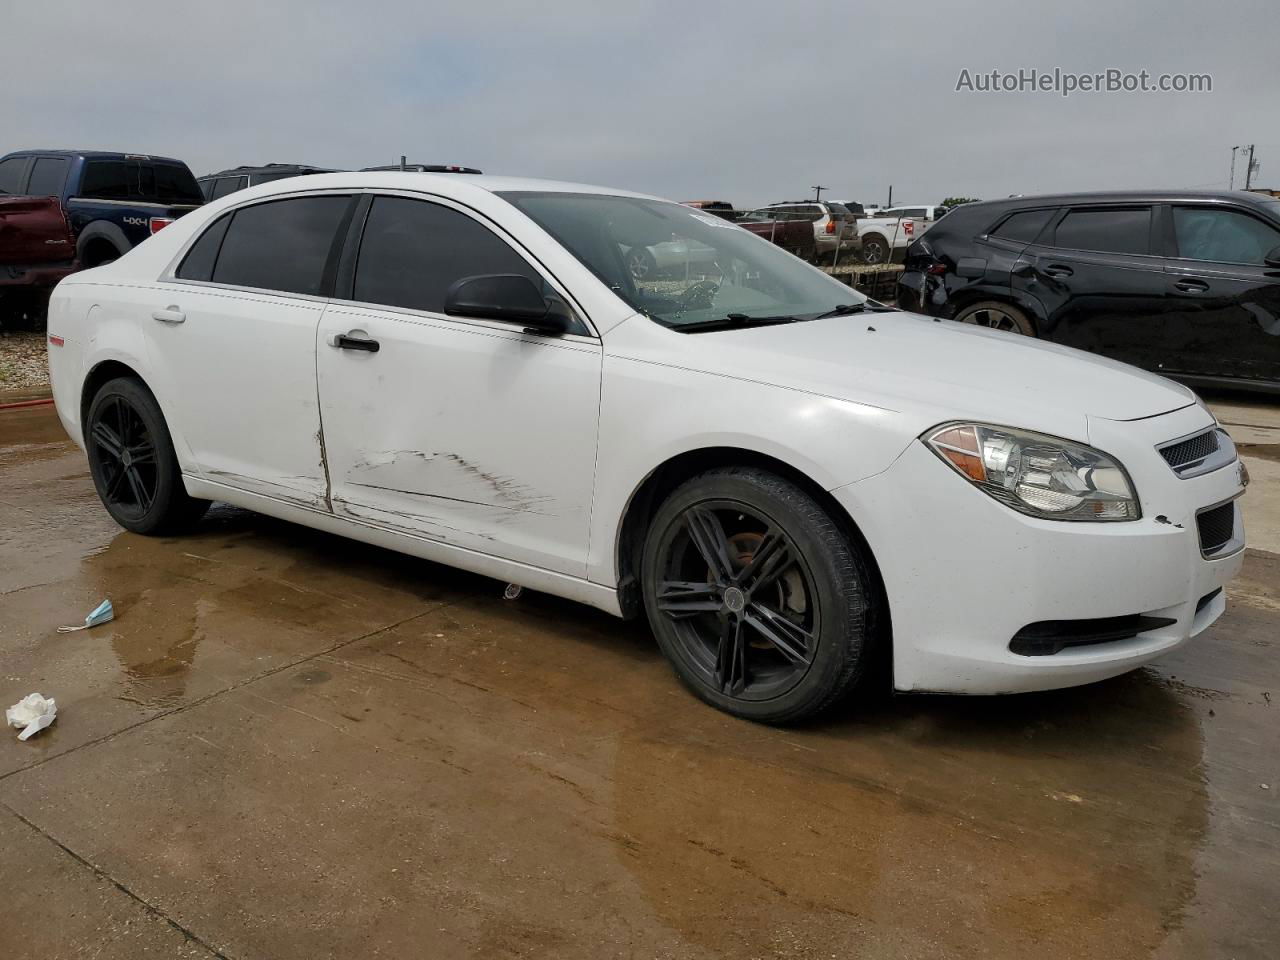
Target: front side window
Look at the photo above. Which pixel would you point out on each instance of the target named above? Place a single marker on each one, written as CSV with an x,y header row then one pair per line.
x,y
281,245
1114,230
413,251
678,265
1223,236
47,177
11,171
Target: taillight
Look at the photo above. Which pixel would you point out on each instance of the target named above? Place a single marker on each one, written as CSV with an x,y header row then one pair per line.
x,y
909,228
937,269
159,223
831,225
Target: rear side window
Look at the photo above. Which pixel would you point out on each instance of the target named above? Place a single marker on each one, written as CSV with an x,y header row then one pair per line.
x,y
47,177
206,187
173,183
105,180
1223,236
282,245
1022,227
1111,231
11,174
224,185
412,251
200,259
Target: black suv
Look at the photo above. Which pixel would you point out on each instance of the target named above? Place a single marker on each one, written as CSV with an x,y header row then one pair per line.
x,y
1183,283
217,185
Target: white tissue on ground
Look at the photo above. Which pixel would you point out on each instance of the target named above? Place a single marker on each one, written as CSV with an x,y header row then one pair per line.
x,y
32,713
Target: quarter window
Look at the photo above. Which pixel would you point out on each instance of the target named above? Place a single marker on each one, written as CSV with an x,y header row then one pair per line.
x,y
412,251
224,185
199,262
1126,230
282,245
1022,227
47,177
1223,236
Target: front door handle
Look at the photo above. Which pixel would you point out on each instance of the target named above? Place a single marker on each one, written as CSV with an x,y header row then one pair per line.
x,y
1191,285
345,341
170,314
1058,270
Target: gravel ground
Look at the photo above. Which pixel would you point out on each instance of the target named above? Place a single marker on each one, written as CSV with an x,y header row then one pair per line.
x,y
24,362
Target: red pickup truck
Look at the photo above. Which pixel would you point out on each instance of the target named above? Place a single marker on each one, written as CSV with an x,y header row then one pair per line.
x,y
37,249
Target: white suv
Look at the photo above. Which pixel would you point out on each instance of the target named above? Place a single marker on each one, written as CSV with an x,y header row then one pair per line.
x,y
834,227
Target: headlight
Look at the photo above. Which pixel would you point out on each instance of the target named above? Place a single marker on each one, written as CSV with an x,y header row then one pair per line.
x,y
1036,474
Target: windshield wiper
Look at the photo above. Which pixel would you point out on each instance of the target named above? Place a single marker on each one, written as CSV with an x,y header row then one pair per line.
x,y
732,321
842,310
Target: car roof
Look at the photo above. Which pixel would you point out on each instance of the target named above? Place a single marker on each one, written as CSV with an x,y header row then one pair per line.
x,y
268,168
444,183
1115,196
93,155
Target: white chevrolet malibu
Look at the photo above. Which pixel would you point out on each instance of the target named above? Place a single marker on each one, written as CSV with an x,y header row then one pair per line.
x,y
793,483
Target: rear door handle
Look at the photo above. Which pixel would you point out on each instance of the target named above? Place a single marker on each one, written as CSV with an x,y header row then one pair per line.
x,y
171,314
1058,270
1191,285
344,341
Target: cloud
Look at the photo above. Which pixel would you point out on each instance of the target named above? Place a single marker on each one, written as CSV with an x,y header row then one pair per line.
x,y
747,101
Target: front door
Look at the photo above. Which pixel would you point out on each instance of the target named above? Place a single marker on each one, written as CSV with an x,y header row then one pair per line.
x,y
1227,299
466,431
232,340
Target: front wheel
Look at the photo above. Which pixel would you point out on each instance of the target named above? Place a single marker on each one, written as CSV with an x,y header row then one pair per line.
x,y
759,600
132,460
998,316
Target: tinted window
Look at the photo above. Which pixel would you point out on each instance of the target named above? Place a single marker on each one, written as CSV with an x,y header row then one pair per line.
x,y
47,177
200,259
173,183
412,251
1224,236
11,174
281,245
206,187
224,185
106,180
1112,231
1024,226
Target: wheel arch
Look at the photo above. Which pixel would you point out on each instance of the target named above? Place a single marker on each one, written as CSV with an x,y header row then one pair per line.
x,y
95,235
966,297
671,473
102,373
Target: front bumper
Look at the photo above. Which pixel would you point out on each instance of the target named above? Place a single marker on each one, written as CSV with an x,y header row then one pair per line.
x,y
964,573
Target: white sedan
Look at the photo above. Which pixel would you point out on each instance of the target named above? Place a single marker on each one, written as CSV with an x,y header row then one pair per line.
x,y
795,484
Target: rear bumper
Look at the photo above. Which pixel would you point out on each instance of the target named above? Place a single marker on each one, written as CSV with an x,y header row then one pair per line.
x,y
964,573
36,275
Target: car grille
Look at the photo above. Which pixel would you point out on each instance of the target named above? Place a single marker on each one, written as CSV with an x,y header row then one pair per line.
x,y
1217,527
1190,451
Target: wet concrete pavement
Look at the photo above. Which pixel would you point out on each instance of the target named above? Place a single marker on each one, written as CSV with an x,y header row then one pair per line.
x,y
291,745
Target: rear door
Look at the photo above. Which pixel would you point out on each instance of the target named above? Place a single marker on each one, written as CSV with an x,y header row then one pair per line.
x,y
466,431
232,338
1101,283
1226,299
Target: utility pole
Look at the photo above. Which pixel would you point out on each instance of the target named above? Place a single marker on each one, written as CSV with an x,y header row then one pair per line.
x,y
890,203
817,193
1250,169
1233,168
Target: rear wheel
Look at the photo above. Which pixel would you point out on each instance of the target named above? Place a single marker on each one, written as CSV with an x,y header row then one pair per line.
x,y
131,458
998,316
641,264
760,602
875,249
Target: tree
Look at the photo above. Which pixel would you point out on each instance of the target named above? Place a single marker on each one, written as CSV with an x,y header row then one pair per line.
x,y
957,201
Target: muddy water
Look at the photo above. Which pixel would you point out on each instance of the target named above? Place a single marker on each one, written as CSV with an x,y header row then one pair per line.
x,y
293,745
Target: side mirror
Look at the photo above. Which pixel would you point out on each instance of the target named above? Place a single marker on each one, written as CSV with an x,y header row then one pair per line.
x,y
511,297
1273,257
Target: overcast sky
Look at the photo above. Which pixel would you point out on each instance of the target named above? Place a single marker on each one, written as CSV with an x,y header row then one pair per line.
x,y
749,101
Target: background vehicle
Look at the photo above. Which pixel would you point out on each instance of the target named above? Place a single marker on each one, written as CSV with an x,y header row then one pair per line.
x,y
740,453
113,201
1183,283
37,249
424,168
884,238
721,208
834,227
215,185
793,235
922,215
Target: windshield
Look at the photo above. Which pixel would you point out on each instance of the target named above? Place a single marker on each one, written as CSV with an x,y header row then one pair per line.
x,y
679,265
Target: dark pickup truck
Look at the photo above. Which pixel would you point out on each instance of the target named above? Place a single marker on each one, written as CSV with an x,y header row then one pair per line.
x,y
112,201
794,235
37,247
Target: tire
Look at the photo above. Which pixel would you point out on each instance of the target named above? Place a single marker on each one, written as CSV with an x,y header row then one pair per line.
x,y
132,461
876,249
640,264
995,315
796,635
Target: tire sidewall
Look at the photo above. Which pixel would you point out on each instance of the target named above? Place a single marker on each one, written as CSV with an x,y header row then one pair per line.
x,y
1019,317
842,598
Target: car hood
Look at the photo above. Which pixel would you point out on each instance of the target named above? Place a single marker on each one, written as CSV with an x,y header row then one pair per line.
x,y
908,363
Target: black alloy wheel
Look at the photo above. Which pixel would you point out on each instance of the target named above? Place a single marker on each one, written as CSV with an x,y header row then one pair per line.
x,y
756,597
131,458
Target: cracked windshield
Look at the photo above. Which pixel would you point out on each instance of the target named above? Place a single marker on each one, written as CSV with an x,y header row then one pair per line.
x,y
682,266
